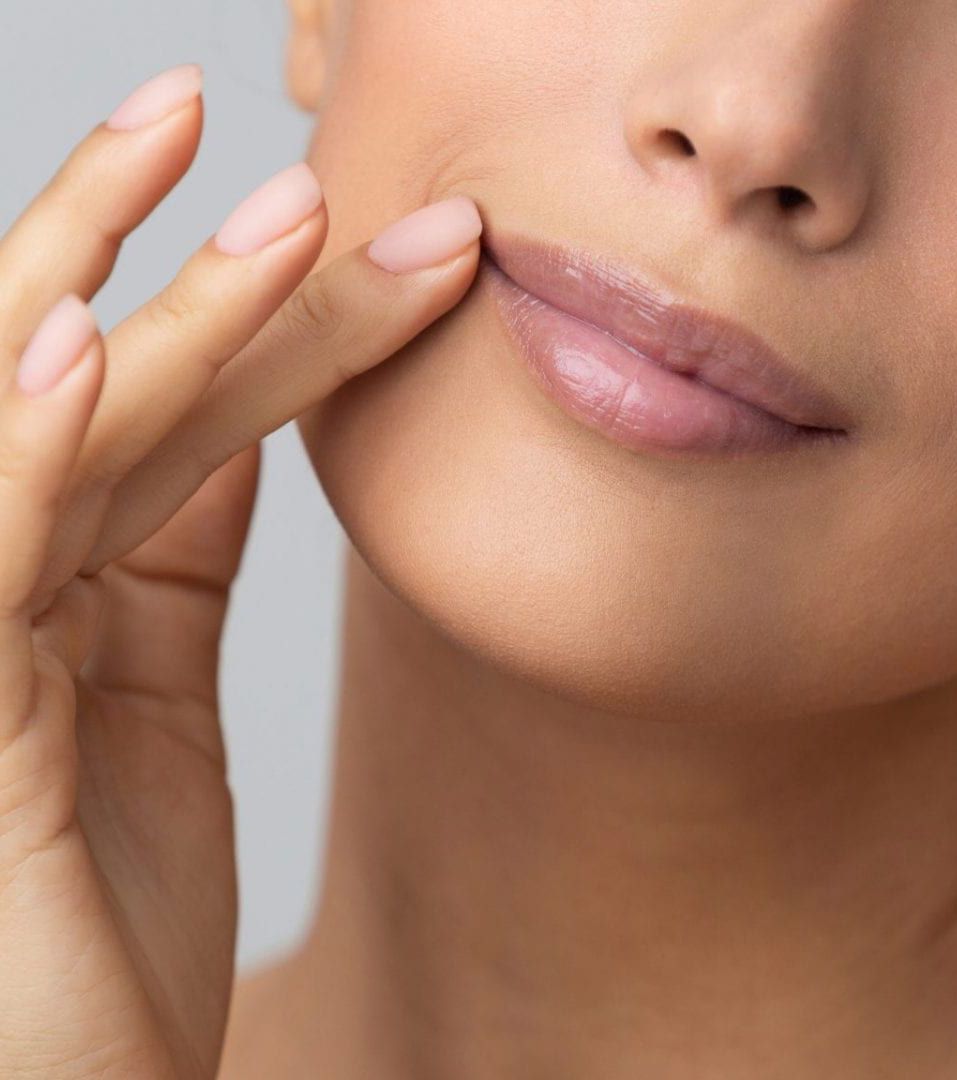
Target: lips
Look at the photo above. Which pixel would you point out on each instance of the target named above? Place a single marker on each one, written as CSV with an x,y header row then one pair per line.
x,y
646,369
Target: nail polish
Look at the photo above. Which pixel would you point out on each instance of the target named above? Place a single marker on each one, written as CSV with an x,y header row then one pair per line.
x,y
279,206
157,98
428,236
57,344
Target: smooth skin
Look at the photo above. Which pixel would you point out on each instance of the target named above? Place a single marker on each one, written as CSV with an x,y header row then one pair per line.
x,y
125,495
644,769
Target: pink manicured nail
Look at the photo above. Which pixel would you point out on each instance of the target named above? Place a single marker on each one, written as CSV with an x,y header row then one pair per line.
x,y
278,207
57,344
157,98
428,236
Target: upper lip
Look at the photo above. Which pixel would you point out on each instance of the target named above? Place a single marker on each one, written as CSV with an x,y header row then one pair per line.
x,y
652,321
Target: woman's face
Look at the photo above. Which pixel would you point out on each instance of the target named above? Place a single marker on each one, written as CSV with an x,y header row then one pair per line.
x,y
816,577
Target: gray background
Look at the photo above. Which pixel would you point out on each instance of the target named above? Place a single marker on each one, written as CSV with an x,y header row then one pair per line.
x,y
66,64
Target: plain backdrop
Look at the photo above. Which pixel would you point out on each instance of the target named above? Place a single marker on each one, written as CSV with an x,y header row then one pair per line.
x,y
65,65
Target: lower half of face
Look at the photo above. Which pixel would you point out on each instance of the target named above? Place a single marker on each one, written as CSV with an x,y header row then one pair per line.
x,y
674,585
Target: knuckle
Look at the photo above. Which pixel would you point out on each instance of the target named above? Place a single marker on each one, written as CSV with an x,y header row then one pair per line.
x,y
18,468
71,198
315,311
14,468
176,304
70,184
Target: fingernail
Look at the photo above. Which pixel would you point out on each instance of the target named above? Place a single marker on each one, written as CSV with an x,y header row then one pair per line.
x,y
428,236
278,207
57,344
158,97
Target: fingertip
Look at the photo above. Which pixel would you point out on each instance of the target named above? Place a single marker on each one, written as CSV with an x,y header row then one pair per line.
x,y
158,98
276,208
61,341
428,237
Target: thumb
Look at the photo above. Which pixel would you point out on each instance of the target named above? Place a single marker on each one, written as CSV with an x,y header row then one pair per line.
x,y
203,541
166,600
353,314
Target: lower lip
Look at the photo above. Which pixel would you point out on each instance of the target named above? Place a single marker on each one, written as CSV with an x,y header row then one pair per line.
x,y
628,397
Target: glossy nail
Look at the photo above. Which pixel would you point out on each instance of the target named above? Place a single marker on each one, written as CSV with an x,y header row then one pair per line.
x,y
428,236
278,207
160,96
57,344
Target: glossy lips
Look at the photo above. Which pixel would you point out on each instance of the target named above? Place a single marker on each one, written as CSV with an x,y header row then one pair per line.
x,y
642,368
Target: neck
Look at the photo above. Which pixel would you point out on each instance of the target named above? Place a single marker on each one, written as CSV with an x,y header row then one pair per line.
x,y
516,886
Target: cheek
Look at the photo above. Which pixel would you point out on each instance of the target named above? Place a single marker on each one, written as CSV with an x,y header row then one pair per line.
x,y
437,96
394,122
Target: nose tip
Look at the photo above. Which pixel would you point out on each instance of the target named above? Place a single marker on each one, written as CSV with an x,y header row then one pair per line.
x,y
753,143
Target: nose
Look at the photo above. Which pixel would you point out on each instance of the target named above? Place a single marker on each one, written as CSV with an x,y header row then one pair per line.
x,y
760,119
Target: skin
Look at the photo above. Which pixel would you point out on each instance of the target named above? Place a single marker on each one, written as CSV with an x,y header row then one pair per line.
x,y
644,767
809,605
125,494
685,811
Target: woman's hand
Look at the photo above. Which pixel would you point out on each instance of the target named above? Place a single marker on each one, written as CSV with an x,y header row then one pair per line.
x,y
117,905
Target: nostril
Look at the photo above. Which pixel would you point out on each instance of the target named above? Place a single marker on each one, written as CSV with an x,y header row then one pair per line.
x,y
789,197
677,141
678,144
